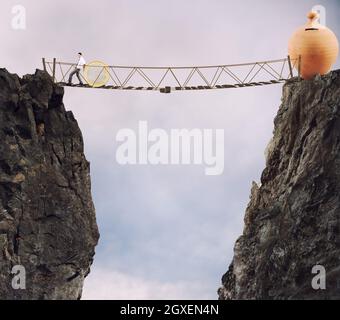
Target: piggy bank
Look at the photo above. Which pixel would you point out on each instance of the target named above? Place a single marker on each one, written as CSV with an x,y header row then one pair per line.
x,y
317,46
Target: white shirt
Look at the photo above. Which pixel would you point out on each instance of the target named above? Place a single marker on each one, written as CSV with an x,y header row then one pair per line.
x,y
81,62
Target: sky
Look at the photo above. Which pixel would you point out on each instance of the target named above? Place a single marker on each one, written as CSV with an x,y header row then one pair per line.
x,y
167,232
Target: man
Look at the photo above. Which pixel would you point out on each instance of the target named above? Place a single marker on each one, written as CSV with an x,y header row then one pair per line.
x,y
81,64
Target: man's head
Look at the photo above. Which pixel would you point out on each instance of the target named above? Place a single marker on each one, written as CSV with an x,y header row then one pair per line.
x,y
80,54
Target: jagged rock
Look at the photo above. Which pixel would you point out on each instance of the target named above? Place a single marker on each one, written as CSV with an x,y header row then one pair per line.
x,y
47,218
292,222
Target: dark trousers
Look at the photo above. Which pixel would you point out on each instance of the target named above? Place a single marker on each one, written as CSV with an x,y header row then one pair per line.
x,y
77,73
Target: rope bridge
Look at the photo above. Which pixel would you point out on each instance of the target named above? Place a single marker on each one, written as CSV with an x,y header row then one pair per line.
x,y
167,79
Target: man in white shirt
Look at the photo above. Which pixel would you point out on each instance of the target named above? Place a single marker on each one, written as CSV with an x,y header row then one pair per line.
x,y
81,64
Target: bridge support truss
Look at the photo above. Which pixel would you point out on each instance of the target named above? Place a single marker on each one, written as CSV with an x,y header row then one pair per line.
x,y
169,79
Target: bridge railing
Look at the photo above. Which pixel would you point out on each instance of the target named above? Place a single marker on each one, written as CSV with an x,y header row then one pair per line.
x,y
167,79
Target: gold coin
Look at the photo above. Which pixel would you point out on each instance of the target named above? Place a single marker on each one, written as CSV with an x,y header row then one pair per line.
x,y
97,73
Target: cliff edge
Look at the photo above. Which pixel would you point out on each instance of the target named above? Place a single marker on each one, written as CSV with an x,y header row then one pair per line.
x,y
292,222
47,218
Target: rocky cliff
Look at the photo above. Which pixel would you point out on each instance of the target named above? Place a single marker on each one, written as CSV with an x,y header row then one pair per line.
x,y
292,222
47,218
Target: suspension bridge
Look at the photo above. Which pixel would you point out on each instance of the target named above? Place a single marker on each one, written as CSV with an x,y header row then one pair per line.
x,y
168,79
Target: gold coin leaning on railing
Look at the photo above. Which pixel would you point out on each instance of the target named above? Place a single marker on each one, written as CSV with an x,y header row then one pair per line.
x,y
96,74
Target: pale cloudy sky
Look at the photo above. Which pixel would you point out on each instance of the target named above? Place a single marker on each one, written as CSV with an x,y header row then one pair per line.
x,y
166,231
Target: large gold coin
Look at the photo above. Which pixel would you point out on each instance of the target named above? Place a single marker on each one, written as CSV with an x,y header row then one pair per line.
x,y
97,73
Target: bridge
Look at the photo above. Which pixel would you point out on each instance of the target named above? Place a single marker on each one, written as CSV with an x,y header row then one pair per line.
x,y
98,75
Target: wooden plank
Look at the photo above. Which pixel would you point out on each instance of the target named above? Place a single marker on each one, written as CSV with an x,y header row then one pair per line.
x,y
44,64
54,68
290,67
299,67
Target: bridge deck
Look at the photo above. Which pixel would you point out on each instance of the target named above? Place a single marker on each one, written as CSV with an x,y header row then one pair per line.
x,y
163,90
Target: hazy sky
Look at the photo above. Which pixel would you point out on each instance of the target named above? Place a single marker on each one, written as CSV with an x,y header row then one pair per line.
x,y
166,231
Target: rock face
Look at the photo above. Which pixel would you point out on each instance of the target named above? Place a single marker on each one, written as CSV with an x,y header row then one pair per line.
x,y
47,218
292,222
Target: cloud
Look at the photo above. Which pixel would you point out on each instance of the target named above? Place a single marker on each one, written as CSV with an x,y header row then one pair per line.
x,y
104,284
